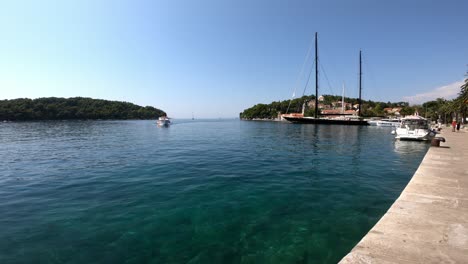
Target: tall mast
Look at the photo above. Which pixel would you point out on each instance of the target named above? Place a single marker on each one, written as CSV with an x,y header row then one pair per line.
x,y
342,101
316,77
360,82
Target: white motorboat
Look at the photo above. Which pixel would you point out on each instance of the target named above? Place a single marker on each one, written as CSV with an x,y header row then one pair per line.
x,y
414,128
388,122
372,122
385,122
163,121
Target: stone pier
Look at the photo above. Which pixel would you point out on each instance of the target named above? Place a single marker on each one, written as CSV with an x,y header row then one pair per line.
x,y
428,223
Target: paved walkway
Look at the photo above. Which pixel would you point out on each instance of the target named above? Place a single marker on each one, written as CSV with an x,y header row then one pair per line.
x,y
428,223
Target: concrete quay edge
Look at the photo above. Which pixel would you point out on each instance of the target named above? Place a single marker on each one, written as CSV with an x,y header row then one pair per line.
x,y
428,223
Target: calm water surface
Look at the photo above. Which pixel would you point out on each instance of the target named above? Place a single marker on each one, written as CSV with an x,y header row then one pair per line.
x,y
197,192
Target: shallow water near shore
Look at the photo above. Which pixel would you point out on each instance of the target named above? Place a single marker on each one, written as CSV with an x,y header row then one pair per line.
x,y
203,191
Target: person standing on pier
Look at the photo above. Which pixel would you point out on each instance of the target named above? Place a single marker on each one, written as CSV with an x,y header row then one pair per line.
x,y
458,126
454,124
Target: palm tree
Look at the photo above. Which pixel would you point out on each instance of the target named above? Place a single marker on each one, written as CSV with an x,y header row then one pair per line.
x,y
463,99
448,108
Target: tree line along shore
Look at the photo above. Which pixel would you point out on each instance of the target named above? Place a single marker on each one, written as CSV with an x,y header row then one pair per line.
x,y
439,109
76,108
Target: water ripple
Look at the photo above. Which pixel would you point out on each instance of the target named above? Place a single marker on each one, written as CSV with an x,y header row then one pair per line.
x,y
197,192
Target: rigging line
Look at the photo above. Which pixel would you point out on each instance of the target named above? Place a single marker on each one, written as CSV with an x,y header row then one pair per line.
x,y
308,79
326,77
300,73
289,105
305,87
357,83
372,77
331,66
303,66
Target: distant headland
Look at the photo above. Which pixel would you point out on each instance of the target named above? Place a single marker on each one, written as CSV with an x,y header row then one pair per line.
x,y
75,108
438,109
328,104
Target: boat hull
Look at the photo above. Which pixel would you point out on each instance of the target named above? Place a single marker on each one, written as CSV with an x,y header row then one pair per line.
x,y
347,122
414,128
387,124
415,135
382,123
163,122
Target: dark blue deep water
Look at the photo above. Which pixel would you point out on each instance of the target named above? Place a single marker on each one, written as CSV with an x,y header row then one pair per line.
x,y
197,192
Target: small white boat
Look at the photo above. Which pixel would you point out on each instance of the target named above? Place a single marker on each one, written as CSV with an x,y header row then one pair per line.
x,y
385,122
163,121
372,122
414,128
388,123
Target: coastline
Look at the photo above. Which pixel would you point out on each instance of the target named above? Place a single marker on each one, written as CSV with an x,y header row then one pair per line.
x,y
428,223
264,120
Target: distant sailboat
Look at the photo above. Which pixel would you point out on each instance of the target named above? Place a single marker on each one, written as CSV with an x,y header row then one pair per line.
x,y
335,121
342,102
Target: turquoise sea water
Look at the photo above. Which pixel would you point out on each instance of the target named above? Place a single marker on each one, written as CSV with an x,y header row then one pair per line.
x,y
224,191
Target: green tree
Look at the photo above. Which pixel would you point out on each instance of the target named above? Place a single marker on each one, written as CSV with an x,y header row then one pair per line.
x,y
53,108
378,110
407,110
463,99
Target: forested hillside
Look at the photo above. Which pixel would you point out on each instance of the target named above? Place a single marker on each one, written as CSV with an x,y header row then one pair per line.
x,y
53,108
270,111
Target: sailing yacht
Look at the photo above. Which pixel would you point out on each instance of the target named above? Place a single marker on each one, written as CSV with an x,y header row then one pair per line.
x,y
301,119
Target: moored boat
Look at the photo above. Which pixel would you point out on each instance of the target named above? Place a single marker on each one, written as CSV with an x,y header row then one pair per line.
x,y
414,128
389,123
392,122
330,121
343,120
372,122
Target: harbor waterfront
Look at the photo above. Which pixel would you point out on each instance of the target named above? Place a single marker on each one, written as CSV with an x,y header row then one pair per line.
x,y
203,191
428,223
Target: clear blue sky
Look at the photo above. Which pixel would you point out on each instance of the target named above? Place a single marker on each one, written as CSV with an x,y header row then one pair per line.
x,y
216,58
